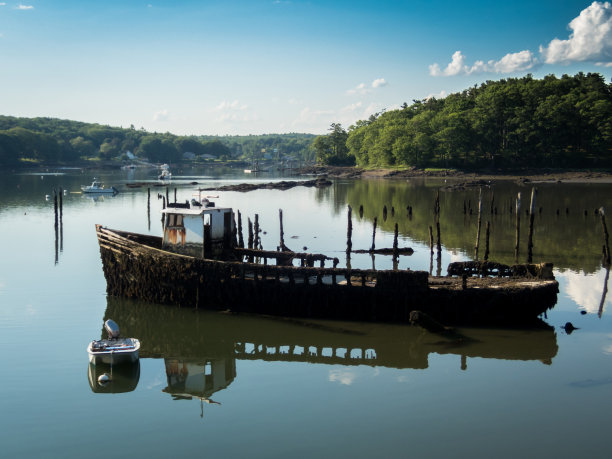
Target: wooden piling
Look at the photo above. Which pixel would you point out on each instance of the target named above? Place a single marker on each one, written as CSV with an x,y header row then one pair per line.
x,y
518,226
55,211
175,194
486,255
167,198
149,208
431,240
395,247
534,193
606,246
61,204
282,232
256,231
349,231
361,211
479,224
240,238
374,235
250,240
385,213
438,241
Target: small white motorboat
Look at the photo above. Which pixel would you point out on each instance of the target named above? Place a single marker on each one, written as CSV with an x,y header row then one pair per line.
x,y
165,175
97,187
115,349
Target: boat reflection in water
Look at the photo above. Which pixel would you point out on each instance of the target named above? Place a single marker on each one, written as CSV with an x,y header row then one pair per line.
x,y
121,378
200,348
192,379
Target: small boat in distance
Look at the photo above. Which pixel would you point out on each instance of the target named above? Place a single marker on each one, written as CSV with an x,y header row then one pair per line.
x,y
114,349
165,173
97,187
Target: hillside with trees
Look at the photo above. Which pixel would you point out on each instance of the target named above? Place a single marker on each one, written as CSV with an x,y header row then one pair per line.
x,y
46,141
519,122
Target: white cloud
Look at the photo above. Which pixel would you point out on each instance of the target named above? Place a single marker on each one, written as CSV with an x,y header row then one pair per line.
x,y
512,62
342,376
441,95
455,67
229,106
379,82
2,4
359,89
233,111
586,290
160,115
590,39
363,88
24,7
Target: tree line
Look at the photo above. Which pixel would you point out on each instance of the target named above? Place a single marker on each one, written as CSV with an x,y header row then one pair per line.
x,y
510,123
50,140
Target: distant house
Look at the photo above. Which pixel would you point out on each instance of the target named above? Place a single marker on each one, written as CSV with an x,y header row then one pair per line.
x,y
130,155
189,155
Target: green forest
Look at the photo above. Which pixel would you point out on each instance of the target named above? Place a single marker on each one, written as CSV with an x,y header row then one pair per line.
x,y
510,123
517,122
45,141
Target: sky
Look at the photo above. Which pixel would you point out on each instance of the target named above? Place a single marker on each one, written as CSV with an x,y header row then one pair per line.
x,y
239,67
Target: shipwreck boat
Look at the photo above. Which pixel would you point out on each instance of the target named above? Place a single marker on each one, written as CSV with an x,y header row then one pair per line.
x,y
198,263
115,349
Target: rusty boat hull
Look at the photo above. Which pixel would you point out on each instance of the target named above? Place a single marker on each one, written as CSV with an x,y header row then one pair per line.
x,y
136,266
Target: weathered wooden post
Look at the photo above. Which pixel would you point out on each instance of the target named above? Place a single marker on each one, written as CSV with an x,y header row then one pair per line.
x,y
479,224
431,240
606,246
373,235
395,248
486,255
385,213
361,211
438,242
349,232
55,207
256,243
240,238
534,193
175,194
55,224
518,226
167,198
61,204
282,232
149,208
250,240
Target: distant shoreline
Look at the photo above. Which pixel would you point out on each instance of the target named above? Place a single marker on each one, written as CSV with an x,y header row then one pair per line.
x,y
531,175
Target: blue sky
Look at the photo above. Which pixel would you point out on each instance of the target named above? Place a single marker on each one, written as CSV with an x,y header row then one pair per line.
x,y
274,66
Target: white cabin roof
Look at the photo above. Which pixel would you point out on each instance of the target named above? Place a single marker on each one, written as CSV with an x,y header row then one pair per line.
x,y
195,210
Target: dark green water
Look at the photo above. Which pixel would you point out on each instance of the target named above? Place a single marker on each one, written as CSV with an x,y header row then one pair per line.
x,y
235,386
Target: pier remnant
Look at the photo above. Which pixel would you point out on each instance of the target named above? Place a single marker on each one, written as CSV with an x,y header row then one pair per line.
x,y
606,245
534,193
518,226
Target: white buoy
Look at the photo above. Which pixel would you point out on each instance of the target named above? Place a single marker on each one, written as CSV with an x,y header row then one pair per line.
x,y
47,197
103,379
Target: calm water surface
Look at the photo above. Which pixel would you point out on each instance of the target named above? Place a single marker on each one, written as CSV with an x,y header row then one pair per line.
x,y
237,386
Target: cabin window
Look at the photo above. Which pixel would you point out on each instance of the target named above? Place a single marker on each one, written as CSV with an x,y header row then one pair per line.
x,y
175,220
